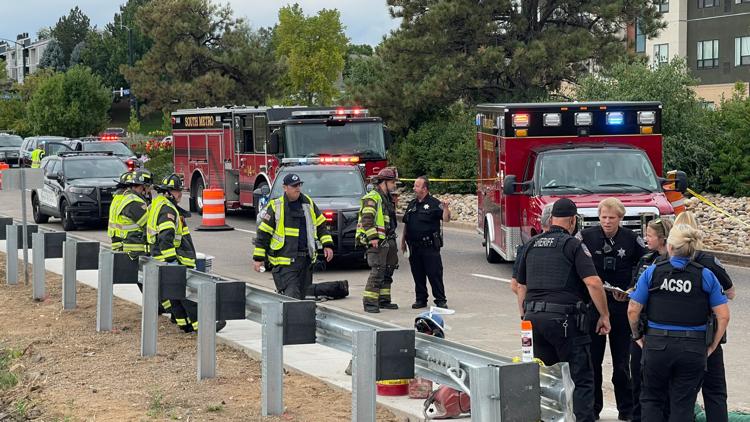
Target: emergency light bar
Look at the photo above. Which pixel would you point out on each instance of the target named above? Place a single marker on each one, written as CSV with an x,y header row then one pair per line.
x,y
322,160
521,120
332,112
584,119
615,118
552,119
646,117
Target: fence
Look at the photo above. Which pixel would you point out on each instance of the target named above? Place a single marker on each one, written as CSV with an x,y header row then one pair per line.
x,y
500,390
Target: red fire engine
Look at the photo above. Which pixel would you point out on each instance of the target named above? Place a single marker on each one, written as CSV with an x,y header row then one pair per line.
x,y
532,154
239,149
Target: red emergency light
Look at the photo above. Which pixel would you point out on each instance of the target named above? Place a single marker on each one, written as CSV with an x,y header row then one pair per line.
x,y
521,120
329,215
131,164
110,138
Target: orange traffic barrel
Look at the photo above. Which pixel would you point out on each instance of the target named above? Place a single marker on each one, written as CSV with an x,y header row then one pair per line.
x,y
213,211
3,166
675,198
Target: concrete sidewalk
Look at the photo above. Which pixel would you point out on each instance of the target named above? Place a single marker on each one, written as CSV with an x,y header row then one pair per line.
x,y
315,360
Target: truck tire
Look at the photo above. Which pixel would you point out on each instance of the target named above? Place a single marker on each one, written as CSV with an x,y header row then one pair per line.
x,y
65,218
489,253
196,195
39,217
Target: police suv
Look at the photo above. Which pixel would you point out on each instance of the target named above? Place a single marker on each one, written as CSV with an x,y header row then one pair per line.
x,y
78,188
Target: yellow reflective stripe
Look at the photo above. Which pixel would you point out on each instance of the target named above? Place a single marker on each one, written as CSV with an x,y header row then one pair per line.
x,y
166,253
142,221
188,262
279,260
320,220
133,247
261,252
265,228
181,321
370,295
195,325
371,231
166,304
385,292
290,231
165,226
368,210
326,238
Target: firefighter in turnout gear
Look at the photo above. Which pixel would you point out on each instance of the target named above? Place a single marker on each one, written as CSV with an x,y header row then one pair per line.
x,y
122,185
291,231
376,229
131,213
679,295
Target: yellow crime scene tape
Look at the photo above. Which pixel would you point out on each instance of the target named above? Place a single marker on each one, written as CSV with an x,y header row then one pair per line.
x,y
716,207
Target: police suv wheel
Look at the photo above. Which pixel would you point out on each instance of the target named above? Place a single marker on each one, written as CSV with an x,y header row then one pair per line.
x,y
39,217
65,218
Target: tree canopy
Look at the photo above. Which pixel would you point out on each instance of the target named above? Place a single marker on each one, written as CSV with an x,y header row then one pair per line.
x,y
71,30
53,57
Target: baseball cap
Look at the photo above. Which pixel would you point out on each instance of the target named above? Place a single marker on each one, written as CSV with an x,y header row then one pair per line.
x,y
564,207
292,179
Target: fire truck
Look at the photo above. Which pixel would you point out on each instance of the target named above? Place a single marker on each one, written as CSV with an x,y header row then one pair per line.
x,y
532,154
239,149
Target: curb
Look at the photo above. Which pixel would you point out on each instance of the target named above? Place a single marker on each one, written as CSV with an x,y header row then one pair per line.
x,y
732,258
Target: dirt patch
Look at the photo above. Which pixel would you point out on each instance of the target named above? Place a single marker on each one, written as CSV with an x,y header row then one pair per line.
x,y
55,366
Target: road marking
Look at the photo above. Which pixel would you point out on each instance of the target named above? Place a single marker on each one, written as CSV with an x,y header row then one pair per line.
x,y
246,231
505,280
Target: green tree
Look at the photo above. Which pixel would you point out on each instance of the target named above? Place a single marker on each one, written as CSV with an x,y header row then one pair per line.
x,y
73,104
493,50
313,50
107,50
44,33
201,56
70,30
53,57
443,147
134,125
731,164
75,56
689,137
13,111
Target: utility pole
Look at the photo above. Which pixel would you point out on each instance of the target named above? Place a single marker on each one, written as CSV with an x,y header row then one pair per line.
x,y
133,100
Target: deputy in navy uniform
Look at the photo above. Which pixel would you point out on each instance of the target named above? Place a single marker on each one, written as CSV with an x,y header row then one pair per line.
x,y
679,295
714,386
616,251
656,240
521,250
556,279
423,236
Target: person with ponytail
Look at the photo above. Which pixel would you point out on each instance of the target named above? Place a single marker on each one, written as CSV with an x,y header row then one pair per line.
x,y
679,296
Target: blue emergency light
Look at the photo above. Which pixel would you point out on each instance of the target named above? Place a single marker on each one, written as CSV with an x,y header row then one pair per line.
x,y
615,118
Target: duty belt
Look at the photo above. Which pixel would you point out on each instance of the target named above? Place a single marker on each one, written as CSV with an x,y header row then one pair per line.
x,y
556,308
676,333
424,242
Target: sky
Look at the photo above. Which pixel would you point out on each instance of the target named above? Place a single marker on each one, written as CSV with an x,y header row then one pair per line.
x,y
366,21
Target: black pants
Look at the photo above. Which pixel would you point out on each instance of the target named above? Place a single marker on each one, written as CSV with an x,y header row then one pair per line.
x,y
673,370
554,343
426,263
619,347
294,279
636,354
715,388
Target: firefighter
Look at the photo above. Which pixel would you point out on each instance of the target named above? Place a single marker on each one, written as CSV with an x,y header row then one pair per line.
x,y
36,156
291,231
376,229
112,228
616,251
169,240
423,234
131,215
678,294
556,278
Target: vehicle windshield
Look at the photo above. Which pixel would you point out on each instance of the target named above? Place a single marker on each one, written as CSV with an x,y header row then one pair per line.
x,y
311,140
88,168
10,141
55,148
117,148
595,171
325,184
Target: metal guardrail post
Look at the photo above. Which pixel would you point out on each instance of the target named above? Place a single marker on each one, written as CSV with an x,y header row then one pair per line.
x,y
37,253
150,308
104,292
206,330
70,251
11,255
273,359
485,391
364,364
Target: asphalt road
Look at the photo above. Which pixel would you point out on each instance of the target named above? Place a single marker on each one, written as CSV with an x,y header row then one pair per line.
x,y
486,311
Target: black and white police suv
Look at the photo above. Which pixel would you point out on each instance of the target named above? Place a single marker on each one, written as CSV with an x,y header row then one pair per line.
x,y
78,188
336,190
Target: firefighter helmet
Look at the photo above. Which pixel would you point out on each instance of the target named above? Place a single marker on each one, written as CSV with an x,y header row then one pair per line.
x,y
430,323
125,179
141,177
388,173
171,182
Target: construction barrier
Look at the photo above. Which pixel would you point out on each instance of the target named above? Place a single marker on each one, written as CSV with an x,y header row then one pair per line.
x,y
214,217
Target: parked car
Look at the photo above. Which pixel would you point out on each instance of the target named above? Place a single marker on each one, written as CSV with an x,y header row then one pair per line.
x,y
51,144
78,188
113,134
10,148
118,149
336,190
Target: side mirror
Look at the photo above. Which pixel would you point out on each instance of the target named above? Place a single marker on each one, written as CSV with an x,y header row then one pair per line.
x,y
387,138
509,184
273,143
262,191
681,183
52,176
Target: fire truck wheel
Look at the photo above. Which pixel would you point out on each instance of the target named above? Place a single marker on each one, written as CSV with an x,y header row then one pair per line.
x,y
196,193
489,253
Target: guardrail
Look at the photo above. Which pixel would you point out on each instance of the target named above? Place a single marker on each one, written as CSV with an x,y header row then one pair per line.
x,y
500,390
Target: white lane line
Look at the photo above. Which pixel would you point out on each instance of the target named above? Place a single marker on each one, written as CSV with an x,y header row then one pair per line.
x,y
505,280
246,231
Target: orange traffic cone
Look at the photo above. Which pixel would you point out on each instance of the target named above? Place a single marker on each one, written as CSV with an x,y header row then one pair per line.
x,y
3,166
213,211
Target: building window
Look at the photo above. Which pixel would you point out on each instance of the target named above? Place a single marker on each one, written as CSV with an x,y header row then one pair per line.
x,y
741,1
742,51
707,3
708,54
663,6
661,54
640,38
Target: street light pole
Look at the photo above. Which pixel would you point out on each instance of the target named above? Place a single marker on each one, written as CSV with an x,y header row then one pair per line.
x,y
23,59
133,100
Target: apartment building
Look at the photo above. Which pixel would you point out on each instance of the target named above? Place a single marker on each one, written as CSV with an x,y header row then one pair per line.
x,y
22,58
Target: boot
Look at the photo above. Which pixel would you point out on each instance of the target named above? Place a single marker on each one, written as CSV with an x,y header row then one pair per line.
x,y
388,305
372,309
